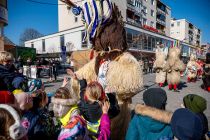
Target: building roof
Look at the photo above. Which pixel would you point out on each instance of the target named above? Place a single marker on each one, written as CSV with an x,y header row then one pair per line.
x,y
7,41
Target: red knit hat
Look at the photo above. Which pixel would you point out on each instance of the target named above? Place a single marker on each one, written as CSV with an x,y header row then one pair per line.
x,y
6,97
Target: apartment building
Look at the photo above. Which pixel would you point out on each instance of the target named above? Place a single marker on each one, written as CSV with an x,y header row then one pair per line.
x,y
185,31
146,23
3,21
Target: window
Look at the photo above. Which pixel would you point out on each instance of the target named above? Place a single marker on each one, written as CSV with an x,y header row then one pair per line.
x,y
145,9
62,40
152,13
145,0
75,19
178,23
137,4
43,45
172,24
152,24
144,21
32,45
129,37
152,2
84,43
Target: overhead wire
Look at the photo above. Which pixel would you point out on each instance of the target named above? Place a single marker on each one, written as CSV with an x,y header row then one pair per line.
x,y
47,3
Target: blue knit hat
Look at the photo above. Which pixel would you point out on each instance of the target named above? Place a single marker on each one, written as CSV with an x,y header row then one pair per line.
x,y
186,125
20,83
34,85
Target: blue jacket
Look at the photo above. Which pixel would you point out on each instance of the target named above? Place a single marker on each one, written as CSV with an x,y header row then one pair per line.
x,y
41,125
145,128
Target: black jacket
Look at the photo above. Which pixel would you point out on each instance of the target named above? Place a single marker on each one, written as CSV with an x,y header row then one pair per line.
x,y
90,111
6,78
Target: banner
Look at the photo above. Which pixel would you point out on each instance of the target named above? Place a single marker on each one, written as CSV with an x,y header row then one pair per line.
x,y
33,72
63,53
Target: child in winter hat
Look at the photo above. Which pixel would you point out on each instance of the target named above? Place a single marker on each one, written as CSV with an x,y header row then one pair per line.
x,y
143,127
24,100
35,84
64,106
42,124
197,104
12,127
6,97
186,125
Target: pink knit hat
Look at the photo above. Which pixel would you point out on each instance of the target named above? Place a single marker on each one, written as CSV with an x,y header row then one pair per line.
x,y
24,100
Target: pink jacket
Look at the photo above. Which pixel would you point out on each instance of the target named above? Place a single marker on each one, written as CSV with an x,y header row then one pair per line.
x,y
105,128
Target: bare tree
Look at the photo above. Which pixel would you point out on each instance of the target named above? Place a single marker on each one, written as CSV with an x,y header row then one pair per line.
x,y
29,34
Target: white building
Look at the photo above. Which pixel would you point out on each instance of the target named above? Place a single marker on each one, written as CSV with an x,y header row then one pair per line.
x,y
152,13
146,20
183,30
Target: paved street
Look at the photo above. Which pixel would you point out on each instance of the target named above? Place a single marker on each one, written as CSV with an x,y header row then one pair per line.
x,y
174,98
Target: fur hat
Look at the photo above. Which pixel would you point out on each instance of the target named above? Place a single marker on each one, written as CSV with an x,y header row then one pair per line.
x,y
6,97
186,125
155,97
64,106
195,103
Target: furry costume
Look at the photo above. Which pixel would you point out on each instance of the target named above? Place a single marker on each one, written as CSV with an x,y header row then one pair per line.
x,y
159,66
124,74
174,66
192,68
206,73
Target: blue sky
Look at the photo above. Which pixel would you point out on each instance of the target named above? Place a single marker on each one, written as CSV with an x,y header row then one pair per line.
x,y
44,18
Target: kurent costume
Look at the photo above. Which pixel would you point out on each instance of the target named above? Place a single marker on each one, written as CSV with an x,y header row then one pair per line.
x,y
159,65
174,66
192,68
206,73
117,70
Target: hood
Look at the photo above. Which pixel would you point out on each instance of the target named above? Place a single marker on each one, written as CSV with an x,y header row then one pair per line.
x,y
151,125
156,114
91,112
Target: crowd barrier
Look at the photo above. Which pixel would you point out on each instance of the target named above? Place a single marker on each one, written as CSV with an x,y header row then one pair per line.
x,y
31,71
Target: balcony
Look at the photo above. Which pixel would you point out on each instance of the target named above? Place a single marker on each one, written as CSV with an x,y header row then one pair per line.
x,y
159,11
130,5
190,32
191,27
161,6
161,22
134,22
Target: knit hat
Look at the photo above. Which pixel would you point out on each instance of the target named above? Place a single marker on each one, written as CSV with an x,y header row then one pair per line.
x,y
195,103
155,97
23,99
34,85
186,125
20,83
6,97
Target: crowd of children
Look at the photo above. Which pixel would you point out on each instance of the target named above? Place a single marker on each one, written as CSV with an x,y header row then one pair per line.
x,y
27,112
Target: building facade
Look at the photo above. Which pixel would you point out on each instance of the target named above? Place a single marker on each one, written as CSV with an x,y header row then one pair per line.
x,y
3,21
183,30
146,23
